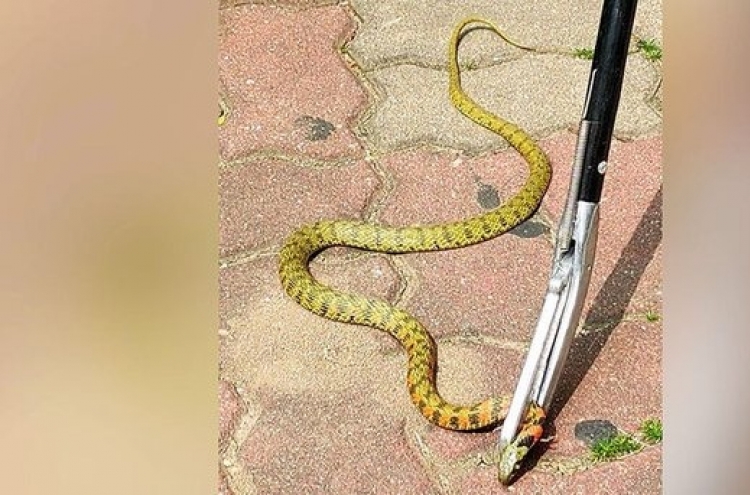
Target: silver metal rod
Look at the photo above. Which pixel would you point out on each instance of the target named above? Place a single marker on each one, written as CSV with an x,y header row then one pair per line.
x,y
539,343
585,237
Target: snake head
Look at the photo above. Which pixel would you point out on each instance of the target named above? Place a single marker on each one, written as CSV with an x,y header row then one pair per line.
x,y
510,460
512,455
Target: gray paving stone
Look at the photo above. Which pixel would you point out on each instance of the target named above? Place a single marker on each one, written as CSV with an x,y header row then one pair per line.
x,y
417,32
541,93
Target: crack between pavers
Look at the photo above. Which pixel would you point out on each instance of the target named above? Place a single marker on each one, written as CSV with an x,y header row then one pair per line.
x,y
609,325
306,160
550,464
316,4
470,66
427,143
408,281
482,340
382,194
406,274
244,257
297,160
377,94
431,464
466,67
240,481
569,465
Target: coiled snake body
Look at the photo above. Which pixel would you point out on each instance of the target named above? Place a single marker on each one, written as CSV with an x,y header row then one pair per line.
x,y
336,305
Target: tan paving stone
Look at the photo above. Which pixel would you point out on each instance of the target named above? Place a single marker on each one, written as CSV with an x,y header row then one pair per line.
x,y
541,93
417,32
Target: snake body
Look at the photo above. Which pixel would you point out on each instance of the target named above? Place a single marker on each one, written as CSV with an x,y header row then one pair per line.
x,y
421,350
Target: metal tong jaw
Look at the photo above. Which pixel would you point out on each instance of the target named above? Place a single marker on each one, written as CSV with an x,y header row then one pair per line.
x,y
571,270
576,239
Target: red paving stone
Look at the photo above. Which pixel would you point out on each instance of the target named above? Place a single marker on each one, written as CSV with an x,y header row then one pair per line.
x,y
451,445
230,410
261,203
495,288
245,285
274,90
623,385
356,447
443,186
628,257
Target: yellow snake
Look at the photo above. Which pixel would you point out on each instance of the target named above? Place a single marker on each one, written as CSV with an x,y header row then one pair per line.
x,y
340,306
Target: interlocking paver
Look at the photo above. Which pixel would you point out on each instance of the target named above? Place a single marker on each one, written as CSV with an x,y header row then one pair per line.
x,y
479,290
629,238
243,287
441,186
417,32
262,202
308,445
494,289
541,93
273,90
622,381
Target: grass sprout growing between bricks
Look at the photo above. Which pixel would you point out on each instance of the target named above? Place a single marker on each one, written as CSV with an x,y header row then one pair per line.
x,y
651,430
651,49
584,53
652,316
620,445
623,444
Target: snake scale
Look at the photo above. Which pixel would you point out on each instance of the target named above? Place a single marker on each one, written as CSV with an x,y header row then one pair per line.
x,y
340,306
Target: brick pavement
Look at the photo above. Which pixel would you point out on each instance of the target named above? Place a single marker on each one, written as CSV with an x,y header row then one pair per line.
x,y
340,110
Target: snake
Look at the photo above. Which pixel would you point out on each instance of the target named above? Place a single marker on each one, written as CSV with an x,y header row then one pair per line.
x,y
336,305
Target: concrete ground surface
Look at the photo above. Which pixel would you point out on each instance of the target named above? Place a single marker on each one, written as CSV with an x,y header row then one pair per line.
x,y
340,110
